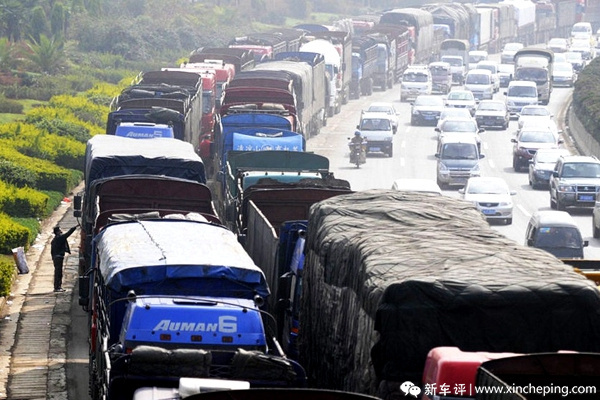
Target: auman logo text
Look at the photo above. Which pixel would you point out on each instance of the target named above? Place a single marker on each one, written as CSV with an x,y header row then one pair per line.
x,y
226,324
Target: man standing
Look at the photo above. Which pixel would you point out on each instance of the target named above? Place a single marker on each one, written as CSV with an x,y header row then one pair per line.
x,y
58,247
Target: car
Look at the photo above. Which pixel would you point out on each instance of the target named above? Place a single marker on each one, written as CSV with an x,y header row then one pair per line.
x,y
560,57
575,182
563,74
529,140
492,114
508,52
505,74
376,129
464,126
451,112
576,60
555,232
558,45
462,99
491,196
585,48
519,94
481,83
542,164
536,113
426,109
475,56
491,66
457,160
387,108
417,185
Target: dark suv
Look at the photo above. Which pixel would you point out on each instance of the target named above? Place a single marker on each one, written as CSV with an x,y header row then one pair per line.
x,y
575,182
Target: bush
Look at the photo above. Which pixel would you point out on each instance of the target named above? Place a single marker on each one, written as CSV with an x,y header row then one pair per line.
x,y
12,235
32,225
10,106
22,202
7,272
16,174
586,98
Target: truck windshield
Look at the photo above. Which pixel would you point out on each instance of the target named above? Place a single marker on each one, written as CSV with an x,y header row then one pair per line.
x,y
522,91
539,76
439,71
412,77
455,62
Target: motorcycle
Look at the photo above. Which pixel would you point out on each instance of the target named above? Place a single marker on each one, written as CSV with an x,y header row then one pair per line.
x,y
357,152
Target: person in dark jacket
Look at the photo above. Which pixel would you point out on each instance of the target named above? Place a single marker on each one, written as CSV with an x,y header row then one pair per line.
x,y
58,247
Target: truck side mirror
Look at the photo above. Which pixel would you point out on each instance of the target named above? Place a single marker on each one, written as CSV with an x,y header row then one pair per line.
x,y
77,206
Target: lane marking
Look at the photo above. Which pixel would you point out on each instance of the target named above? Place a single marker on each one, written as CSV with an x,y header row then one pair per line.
x,y
523,210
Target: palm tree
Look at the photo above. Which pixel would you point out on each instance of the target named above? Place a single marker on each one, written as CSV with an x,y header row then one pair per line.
x,y
47,53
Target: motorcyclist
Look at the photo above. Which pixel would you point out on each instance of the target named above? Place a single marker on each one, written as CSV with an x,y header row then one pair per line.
x,y
358,139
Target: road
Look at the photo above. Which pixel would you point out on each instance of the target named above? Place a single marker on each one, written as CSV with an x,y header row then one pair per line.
x,y
414,149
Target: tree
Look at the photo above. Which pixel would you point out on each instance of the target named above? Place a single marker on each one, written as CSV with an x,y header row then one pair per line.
x,y
58,20
47,54
14,15
39,23
7,55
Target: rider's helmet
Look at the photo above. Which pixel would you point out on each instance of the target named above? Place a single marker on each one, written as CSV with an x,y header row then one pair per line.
x,y
357,133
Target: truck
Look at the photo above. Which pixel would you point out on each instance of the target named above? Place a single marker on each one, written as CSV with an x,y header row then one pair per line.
x,y
341,39
242,59
525,17
456,53
364,63
386,281
504,24
264,45
398,48
175,298
110,156
224,73
535,64
420,25
457,16
164,96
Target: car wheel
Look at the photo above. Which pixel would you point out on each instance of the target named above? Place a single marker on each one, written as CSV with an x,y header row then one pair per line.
x,y
560,206
413,121
441,184
390,152
508,221
516,166
596,231
552,203
505,126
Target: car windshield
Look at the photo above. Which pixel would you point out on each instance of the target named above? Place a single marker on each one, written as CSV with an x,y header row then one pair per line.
x,y
459,151
372,124
581,170
506,68
460,96
455,62
475,58
546,157
455,112
537,111
489,67
537,137
384,109
487,187
459,126
429,101
491,106
476,79
414,77
558,237
563,67
513,46
522,91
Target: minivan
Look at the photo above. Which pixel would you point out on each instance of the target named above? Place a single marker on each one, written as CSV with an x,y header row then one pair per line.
x,y
581,30
557,233
457,159
520,94
479,81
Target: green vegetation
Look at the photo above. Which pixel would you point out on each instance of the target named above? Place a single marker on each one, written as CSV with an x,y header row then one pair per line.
x,y
586,98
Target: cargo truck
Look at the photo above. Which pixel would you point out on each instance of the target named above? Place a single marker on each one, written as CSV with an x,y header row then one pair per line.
x,y
535,65
399,48
390,275
242,59
420,25
456,53
175,298
364,59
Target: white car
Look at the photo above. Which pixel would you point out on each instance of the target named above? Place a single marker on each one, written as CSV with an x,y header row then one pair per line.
x,y
451,112
491,66
535,114
563,74
417,185
475,56
491,196
387,108
463,126
462,99
509,51
558,45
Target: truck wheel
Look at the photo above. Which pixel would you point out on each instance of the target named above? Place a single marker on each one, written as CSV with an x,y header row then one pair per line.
x,y
330,112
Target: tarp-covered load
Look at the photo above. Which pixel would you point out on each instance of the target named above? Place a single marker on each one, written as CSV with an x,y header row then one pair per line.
x,y
107,156
389,275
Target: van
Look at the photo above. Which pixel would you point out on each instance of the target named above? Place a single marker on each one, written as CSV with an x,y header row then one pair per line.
x,y
557,233
581,30
457,159
520,94
416,80
480,82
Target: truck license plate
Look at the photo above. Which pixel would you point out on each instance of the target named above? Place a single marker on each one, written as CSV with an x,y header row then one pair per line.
x,y
374,149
